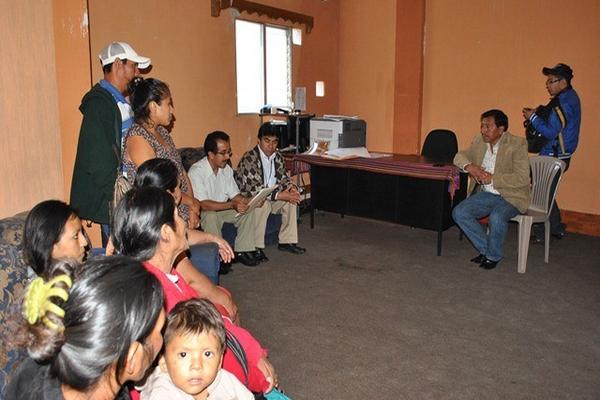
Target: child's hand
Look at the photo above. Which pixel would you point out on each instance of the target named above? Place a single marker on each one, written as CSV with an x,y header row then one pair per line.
x,y
269,372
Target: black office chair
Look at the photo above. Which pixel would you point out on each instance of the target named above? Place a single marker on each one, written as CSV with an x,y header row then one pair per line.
x,y
440,146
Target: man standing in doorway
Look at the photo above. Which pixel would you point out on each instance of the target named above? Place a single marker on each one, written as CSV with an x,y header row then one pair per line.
x,y
106,116
561,128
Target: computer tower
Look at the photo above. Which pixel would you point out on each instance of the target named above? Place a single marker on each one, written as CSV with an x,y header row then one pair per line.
x,y
302,123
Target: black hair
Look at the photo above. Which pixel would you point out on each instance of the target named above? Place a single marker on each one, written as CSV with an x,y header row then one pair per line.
x,y
500,119
44,225
268,129
108,67
143,92
210,143
114,302
138,219
159,173
192,317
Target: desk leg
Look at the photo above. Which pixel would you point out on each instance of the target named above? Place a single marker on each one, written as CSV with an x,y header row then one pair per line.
x,y
441,222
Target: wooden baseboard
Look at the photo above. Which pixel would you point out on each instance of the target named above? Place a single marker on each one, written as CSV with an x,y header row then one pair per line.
x,y
588,224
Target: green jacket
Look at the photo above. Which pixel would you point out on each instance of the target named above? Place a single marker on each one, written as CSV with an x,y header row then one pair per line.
x,y
511,172
96,163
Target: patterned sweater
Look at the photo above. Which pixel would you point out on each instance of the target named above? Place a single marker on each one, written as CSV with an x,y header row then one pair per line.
x,y
249,173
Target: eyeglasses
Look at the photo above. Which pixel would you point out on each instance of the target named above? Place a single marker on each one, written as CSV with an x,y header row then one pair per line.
x,y
548,82
225,153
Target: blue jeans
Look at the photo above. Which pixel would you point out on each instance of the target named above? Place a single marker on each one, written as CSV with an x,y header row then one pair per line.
x,y
205,258
477,206
104,234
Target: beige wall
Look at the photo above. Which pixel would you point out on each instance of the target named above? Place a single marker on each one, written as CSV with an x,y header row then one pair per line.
x,y
489,54
195,54
31,166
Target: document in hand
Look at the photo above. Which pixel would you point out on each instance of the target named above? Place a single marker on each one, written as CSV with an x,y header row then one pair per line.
x,y
258,198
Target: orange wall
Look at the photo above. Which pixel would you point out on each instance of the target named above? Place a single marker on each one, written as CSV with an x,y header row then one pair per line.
x,y
72,54
195,54
366,67
31,168
73,75
477,55
489,54
408,71
381,70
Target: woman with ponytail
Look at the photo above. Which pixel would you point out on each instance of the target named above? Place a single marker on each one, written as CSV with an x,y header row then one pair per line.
x,y
88,330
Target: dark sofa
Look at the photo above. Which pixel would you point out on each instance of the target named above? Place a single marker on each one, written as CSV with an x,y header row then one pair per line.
x,y
13,281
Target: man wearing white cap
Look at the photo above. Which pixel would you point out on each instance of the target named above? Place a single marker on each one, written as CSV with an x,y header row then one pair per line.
x,y
106,116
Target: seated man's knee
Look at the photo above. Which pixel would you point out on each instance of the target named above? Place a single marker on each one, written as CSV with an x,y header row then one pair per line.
x,y
497,218
458,213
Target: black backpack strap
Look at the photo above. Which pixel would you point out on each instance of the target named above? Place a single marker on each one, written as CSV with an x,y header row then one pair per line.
x,y
236,348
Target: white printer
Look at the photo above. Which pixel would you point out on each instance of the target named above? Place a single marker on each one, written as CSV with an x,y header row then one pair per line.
x,y
339,131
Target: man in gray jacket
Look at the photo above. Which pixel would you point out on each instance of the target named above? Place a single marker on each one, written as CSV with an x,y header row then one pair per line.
x,y
498,165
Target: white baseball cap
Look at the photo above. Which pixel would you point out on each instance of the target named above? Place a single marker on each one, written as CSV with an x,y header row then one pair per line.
x,y
122,51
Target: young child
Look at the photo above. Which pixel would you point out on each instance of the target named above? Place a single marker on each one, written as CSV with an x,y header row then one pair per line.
x,y
190,367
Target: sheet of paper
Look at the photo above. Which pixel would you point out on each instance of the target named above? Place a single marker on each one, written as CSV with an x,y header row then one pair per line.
x,y
258,198
343,153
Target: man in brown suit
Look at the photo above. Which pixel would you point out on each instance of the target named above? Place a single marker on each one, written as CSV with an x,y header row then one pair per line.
x,y
498,165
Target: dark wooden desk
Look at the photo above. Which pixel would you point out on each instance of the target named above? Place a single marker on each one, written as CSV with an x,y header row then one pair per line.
x,y
406,189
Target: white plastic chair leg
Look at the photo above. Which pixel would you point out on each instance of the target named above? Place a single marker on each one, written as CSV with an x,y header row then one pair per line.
x,y
547,241
524,233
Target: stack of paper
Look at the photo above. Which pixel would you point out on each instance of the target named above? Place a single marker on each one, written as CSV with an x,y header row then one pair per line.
x,y
344,153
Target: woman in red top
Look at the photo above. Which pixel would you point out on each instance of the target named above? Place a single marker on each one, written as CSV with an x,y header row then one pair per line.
x,y
147,227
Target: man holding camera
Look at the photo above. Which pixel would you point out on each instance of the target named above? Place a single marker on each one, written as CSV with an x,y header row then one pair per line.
x,y
561,128
261,167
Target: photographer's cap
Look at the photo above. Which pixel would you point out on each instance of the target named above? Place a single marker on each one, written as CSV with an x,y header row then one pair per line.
x,y
122,51
562,70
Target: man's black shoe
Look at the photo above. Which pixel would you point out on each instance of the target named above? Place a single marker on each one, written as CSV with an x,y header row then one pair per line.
x,y
291,248
260,255
224,268
559,235
488,264
479,259
247,258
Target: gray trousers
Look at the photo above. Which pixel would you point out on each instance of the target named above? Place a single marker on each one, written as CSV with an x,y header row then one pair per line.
x,y
288,233
212,222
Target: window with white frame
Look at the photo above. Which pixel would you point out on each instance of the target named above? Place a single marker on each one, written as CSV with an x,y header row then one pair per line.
x,y
263,66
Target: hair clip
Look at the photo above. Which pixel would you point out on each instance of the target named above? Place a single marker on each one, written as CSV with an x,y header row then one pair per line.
x,y
38,303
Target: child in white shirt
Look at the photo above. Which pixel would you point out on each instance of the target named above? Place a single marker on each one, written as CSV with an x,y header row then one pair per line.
x,y
190,367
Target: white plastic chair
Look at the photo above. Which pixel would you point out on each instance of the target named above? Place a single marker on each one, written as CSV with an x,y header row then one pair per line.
x,y
544,171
